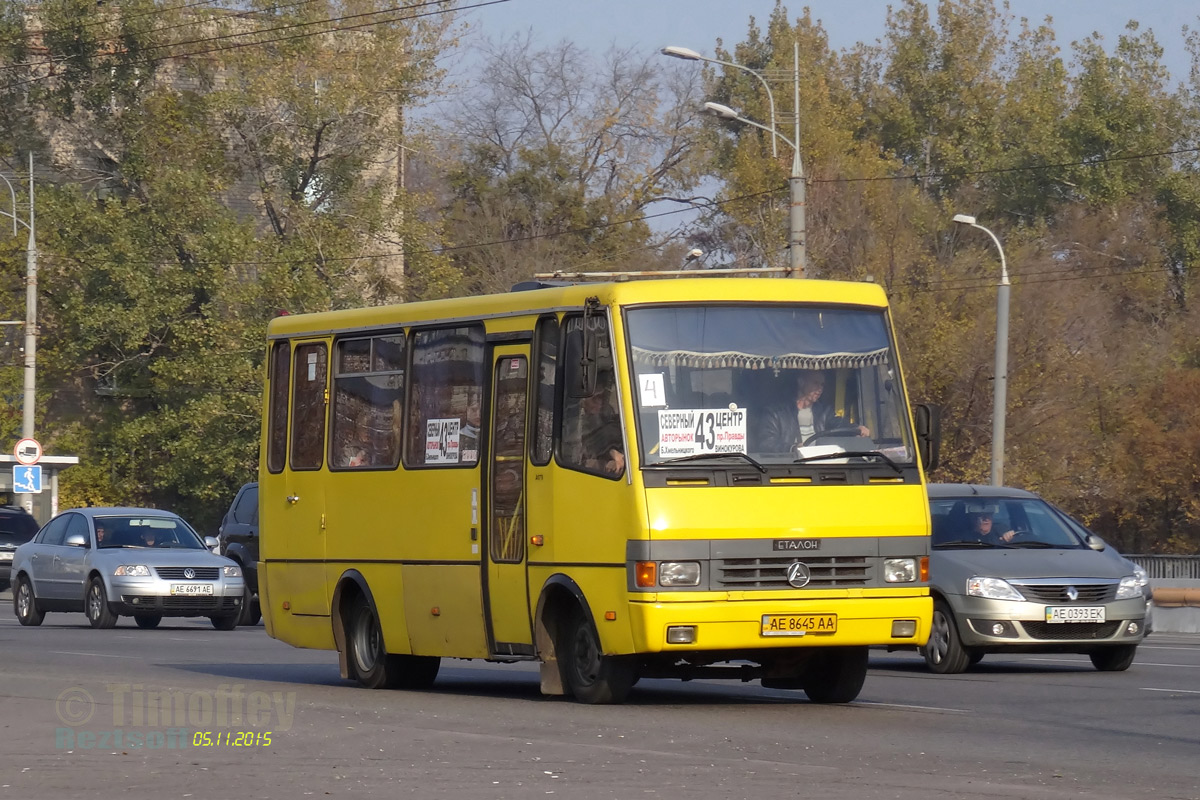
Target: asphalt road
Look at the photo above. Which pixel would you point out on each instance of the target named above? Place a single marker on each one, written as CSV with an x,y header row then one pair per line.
x,y
115,713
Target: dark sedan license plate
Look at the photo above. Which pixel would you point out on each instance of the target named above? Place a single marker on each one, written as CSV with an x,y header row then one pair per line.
x,y
1064,614
191,588
798,624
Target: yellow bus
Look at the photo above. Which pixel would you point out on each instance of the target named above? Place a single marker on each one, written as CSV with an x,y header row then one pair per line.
x,y
691,477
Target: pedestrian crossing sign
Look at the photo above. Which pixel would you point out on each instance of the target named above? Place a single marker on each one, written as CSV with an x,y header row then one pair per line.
x,y
27,479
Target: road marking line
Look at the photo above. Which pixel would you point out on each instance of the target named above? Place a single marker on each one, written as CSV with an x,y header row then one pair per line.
x,y
916,708
1172,691
1136,663
100,655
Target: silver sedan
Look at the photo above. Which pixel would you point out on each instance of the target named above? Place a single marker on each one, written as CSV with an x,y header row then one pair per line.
x,y
1011,573
108,562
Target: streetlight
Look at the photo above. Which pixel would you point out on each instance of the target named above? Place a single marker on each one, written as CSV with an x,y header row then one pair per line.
x,y
1000,389
796,222
30,314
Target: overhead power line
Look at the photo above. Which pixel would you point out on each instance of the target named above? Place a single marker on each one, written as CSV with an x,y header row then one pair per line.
x,y
238,45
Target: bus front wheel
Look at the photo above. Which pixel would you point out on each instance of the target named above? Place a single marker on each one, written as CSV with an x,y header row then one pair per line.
x,y
591,676
373,666
836,674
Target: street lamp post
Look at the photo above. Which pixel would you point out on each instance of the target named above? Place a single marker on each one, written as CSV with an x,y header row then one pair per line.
x,y
796,216
30,383
1000,388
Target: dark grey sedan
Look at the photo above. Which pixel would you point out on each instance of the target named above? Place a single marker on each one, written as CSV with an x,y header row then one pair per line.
x,y
1011,573
140,562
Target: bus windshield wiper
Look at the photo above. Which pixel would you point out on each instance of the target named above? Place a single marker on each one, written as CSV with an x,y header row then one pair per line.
x,y
852,453
706,456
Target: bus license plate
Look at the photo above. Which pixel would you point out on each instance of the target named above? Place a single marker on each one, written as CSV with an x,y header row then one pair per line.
x,y
798,624
191,588
1061,614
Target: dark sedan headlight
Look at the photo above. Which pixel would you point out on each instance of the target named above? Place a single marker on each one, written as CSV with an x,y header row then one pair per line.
x,y
132,571
993,589
232,572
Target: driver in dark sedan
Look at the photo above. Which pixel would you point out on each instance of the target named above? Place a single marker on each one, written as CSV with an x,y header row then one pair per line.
x,y
790,424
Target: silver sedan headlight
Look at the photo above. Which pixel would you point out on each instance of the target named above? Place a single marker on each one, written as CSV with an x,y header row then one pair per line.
x,y
132,571
993,589
232,572
1131,586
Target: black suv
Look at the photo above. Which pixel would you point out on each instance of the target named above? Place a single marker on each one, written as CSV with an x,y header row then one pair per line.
x,y
17,526
238,535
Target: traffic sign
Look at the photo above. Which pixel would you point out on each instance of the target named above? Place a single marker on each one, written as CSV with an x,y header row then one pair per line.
x,y
28,451
27,479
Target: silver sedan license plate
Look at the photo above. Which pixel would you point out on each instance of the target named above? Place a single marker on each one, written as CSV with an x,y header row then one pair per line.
x,y
191,588
1062,614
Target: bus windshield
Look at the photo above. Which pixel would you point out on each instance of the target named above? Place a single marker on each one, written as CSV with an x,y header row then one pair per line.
x,y
780,383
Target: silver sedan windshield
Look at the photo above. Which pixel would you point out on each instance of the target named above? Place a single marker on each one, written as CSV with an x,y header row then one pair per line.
x,y
145,531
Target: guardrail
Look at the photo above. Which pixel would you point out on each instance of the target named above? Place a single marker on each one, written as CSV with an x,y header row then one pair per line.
x,y
1169,567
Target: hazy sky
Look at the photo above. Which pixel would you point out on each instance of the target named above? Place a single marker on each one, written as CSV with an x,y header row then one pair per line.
x,y
597,24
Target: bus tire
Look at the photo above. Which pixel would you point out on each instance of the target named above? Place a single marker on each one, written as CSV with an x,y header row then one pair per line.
x,y
836,674
592,677
370,661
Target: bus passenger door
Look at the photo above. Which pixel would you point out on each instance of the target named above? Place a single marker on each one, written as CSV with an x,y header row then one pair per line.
x,y
509,629
303,507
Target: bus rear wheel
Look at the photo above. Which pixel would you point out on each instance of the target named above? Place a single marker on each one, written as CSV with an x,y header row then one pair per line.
x,y
373,666
591,676
836,674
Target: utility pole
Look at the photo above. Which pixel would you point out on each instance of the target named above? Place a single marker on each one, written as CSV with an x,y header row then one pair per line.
x,y
29,396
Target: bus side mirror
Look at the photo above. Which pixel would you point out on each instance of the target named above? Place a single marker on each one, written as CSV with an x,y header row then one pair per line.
x,y
928,419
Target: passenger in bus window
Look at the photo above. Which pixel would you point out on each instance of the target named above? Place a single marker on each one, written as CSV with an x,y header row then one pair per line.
x,y
468,435
360,452
790,424
603,444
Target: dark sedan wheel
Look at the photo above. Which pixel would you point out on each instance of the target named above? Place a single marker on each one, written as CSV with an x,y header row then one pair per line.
x,y
251,613
944,652
96,606
147,620
25,604
1114,659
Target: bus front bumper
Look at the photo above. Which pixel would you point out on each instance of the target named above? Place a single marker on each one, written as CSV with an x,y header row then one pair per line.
x,y
675,626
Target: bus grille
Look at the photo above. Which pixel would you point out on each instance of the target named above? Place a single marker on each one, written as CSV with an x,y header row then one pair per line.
x,y
828,572
1057,593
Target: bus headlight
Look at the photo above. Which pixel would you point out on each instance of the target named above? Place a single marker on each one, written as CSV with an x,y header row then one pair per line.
x,y
679,573
900,570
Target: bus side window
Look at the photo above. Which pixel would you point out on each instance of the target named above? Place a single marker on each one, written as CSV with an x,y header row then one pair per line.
x,y
591,437
443,404
368,387
309,372
278,414
547,361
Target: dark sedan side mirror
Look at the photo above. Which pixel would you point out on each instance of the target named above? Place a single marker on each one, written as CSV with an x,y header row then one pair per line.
x,y
76,540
